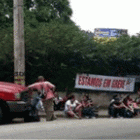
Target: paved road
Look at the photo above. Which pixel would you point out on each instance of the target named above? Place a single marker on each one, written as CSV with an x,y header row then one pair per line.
x,y
73,129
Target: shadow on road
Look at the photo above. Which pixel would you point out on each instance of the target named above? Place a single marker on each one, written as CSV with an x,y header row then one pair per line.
x,y
15,121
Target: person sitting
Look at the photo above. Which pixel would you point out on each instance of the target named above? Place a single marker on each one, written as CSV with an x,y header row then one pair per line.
x,y
116,108
57,102
133,105
112,111
128,104
126,107
137,100
65,98
87,104
73,108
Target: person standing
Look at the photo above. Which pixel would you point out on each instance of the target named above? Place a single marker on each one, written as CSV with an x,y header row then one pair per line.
x,y
47,90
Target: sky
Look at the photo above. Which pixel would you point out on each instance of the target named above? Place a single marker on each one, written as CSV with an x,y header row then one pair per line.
x,y
119,14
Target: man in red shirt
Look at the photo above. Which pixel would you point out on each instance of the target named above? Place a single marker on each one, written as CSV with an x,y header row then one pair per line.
x,y
48,90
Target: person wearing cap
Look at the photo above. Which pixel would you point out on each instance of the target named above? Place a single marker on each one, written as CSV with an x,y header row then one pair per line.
x,y
48,103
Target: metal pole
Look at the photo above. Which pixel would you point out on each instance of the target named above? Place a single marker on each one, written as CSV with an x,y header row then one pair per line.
x,y
19,49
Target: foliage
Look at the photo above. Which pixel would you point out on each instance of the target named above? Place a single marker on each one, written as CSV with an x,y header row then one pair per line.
x,y
57,49
54,47
104,40
36,11
6,54
119,57
50,36
47,10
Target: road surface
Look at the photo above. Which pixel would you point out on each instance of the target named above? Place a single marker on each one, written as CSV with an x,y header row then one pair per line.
x,y
103,128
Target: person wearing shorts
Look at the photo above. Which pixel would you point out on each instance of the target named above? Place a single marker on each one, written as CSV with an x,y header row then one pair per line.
x,y
73,108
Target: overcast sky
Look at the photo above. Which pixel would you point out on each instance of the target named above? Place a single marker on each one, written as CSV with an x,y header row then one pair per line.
x,y
120,14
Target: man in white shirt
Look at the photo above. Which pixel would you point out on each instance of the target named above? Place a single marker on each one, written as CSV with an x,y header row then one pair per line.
x,y
73,108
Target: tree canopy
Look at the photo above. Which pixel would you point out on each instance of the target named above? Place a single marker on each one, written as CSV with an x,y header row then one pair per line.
x,y
36,11
57,49
117,57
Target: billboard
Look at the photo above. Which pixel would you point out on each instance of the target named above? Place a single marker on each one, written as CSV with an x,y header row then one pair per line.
x,y
19,78
109,32
106,83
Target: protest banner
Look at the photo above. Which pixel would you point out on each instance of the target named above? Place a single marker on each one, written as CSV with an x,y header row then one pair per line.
x,y
107,83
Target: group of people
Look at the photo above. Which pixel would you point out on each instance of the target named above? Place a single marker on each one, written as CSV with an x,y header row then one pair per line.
x,y
72,107
42,98
79,109
124,107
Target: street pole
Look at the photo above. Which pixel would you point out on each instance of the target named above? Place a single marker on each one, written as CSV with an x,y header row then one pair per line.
x,y
19,48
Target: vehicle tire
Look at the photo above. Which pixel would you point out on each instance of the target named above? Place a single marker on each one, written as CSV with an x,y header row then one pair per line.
x,y
31,118
1,115
27,117
4,114
36,118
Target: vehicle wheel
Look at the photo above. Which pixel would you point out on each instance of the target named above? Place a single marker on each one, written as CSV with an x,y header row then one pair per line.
x,y
4,115
30,117
1,115
36,118
27,117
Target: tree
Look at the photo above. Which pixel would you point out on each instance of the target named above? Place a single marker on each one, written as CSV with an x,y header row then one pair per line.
x,y
58,49
42,39
36,11
51,47
6,54
104,40
47,10
119,57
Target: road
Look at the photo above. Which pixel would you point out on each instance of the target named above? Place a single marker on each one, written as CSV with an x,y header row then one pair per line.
x,y
103,128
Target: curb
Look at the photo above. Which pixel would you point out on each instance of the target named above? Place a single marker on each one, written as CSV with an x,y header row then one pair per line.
x,y
60,114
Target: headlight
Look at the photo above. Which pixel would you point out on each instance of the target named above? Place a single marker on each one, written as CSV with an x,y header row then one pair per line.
x,y
17,96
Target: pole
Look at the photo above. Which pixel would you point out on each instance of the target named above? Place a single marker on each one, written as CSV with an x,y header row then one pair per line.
x,y
19,49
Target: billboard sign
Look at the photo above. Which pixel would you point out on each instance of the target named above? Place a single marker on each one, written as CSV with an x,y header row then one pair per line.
x,y
108,32
106,83
19,78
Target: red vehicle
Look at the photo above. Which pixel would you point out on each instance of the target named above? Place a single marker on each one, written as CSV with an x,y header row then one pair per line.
x,y
14,103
